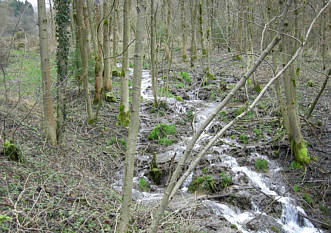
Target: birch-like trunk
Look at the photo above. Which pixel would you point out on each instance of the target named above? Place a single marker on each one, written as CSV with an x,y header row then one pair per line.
x,y
153,52
124,107
49,120
194,52
134,121
183,25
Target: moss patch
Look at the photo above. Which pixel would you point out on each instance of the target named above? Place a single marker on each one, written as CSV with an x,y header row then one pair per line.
x,y
300,152
12,152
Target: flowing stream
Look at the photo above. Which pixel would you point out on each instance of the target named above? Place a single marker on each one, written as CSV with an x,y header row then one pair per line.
x,y
267,186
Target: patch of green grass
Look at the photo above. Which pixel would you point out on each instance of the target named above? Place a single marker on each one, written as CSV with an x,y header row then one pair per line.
x,y
165,92
308,198
257,132
184,76
165,141
239,111
226,180
180,85
29,65
261,165
296,188
296,165
200,183
243,138
161,133
143,185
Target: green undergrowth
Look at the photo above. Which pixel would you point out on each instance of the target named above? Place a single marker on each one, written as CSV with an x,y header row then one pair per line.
x,y
162,132
261,165
26,69
12,151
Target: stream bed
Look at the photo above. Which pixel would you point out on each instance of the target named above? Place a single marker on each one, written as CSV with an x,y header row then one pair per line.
x,y
255,202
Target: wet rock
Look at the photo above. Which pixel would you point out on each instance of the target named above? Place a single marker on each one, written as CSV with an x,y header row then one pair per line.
x,y
265,223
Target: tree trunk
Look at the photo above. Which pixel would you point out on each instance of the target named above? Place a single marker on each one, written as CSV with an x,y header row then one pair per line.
x,y
167,35
124,107
62,20
153,52
98,66
49,120
115,28
107,82
77,58
194,52
83,44
183,22
297,143
134,121
202,37
92,26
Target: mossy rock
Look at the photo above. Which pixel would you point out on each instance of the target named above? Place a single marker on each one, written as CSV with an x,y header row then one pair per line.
x,y
110,97
155,173
116,73
12,152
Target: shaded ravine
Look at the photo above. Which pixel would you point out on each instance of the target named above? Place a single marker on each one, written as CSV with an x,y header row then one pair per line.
x,y
260,191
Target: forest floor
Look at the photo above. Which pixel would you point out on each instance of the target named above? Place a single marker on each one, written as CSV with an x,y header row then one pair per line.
x,y
68,188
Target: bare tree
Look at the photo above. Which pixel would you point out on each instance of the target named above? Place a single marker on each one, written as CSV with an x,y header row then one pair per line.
x,y
134,120
49,120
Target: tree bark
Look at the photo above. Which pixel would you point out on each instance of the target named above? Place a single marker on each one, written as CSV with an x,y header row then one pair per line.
x,y
49,120
124,107
98,66
83,44
297,143
183,22
153,52
107,82
134,121
194,52
62,20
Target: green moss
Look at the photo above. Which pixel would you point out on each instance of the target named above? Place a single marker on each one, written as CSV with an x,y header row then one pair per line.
x,y
154,172
143,185
300,152
239,111
161,133
110,97
261,165
308,198
274,229
123,117
179,98
243,138
225,180
295,165
165,141
12,152
201,183
117,73
296,188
